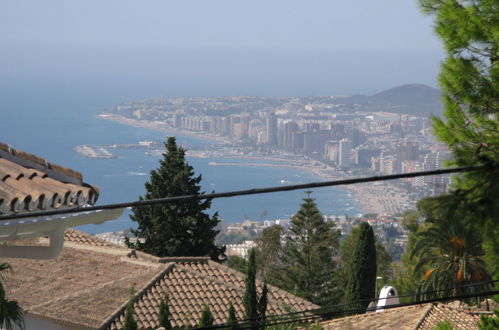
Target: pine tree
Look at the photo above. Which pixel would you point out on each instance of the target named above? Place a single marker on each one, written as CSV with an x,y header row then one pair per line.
x,y
164,314
362,269
206,318
470,127
232,318
178,228
308,255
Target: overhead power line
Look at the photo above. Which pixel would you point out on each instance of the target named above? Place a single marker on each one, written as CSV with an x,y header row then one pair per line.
x,y
320,313
254,191
345,307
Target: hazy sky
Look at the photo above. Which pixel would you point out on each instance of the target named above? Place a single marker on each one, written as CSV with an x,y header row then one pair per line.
x,y
238,43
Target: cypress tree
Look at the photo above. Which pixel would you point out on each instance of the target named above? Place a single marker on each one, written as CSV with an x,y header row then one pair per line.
x,y
164,314
232,318
206,318
362,269
250,298
179,228
309,267
262,302
130,323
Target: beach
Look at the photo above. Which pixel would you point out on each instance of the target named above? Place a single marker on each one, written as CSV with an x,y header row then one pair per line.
x,y
380,197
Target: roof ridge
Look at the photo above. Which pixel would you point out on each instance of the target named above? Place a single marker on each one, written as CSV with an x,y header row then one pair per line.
x,y
27,159
425,315
164,260
90,237
466,310
273,287
137,295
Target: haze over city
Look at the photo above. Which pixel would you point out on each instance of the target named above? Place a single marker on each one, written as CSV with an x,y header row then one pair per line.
x,y
217,48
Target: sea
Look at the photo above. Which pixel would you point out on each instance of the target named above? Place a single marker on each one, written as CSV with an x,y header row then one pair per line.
x,y
50,119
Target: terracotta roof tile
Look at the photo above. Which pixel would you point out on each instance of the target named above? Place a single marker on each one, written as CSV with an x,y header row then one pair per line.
x,y
426,316
81,238
78,287
29,183
458,317
191,284
402,318
89,285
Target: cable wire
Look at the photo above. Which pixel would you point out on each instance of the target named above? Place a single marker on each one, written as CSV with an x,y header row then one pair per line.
x,y
330,314
325,309
254,191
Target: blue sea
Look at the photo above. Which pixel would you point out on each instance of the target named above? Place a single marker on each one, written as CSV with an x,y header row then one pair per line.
x,y
50,119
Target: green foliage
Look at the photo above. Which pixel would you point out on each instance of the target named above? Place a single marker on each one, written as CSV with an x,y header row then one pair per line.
x,y
469,30
206,318
383,258
489,322
130,323
362,268
406,278
308,265
238,263
177,228
232,318
255,307
450,249
269,254
164,314
262,302
444,325
11,314
250,298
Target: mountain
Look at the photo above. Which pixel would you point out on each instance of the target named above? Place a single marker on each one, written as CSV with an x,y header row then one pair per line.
x,y
412,94
412,99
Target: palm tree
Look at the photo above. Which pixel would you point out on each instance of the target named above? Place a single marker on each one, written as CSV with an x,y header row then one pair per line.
x,y
450,250
10,312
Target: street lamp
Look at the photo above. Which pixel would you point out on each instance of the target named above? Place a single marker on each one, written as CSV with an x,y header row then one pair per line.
x,y
376,287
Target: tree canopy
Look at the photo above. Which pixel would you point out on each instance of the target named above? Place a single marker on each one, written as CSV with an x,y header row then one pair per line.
x,y
308,252
469,30
361,273
178,228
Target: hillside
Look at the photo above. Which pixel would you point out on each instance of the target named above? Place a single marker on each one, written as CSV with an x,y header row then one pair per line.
x,y
413,99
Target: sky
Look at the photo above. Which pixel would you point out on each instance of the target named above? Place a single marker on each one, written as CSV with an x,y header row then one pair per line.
x,y
219,47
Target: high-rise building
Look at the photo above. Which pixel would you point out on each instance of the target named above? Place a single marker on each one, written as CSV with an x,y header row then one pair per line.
x,y
332,151
290,127
271,129
345,151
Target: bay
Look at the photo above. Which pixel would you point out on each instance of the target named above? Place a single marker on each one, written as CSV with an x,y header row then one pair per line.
x,y
49,122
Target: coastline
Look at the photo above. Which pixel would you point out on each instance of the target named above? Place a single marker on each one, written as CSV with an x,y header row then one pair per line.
x,y
379,198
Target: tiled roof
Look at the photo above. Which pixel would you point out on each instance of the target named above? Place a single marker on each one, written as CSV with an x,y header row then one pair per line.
x,y
88,285
30,183
78,237
402,318
459,318
426,316
192,283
